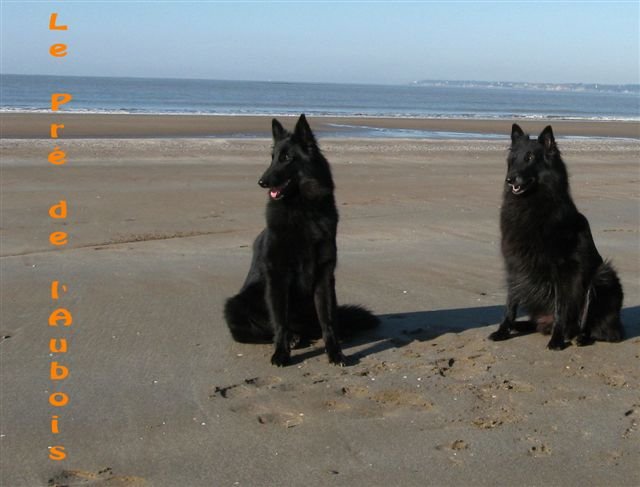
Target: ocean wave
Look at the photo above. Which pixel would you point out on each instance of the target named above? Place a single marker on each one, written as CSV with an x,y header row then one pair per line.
x,y
324,113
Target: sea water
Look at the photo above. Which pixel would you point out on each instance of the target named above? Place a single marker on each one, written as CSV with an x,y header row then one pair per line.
x,y
468,100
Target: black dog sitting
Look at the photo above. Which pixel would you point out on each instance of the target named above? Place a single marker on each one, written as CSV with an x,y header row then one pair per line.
x,y
553,267
289,292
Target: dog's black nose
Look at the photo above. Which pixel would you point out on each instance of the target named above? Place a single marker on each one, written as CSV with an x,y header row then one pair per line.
x,y
509,180
262,184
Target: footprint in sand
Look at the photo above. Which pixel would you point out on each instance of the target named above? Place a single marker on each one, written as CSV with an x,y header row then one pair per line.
x,y
633,414
74,478
613,458
537,448
468,366
355,391
269,410
453,450
540,450
288,420
457,445
613,379
397,398
497,417
245,389
269,413
487,423
516,386
387,399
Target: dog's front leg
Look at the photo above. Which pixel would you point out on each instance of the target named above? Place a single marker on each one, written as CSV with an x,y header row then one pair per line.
x,y
584,335
560,319
504,330
326,305
277,297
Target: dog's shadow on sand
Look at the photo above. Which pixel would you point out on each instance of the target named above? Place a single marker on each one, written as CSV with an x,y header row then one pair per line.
x,y
399,329
631,322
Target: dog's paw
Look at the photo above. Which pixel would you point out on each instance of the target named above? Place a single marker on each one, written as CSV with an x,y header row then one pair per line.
x,y
584,340
340,360
500,335
336,357
556,344
281,358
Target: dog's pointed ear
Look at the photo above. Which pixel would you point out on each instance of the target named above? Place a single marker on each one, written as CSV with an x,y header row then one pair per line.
x,y
303,132
547,139
516,132
277,130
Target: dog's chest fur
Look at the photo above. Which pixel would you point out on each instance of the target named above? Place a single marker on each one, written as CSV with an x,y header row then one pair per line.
x,y
530,251
304,237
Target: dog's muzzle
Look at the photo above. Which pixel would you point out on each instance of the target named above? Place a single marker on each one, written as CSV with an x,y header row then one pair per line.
x,y
519,185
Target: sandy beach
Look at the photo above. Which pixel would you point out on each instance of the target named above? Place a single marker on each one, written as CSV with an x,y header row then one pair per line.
x,y
161,221
33,125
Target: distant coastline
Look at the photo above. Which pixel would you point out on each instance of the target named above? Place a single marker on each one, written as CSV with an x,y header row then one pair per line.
x,y
627,89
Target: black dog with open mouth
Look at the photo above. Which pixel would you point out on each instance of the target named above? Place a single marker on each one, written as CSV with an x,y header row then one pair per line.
x,y
554,270
289,293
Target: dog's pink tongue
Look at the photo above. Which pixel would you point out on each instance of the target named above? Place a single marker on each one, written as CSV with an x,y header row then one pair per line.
x,y
274,193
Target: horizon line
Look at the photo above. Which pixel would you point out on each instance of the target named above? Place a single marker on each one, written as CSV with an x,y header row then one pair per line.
x,y
406,83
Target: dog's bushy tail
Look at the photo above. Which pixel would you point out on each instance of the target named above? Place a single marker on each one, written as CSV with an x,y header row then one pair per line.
x,y
605,305
353,319
245,319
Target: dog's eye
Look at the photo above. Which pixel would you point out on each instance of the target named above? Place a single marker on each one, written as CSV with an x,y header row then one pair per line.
x,y
288,158
529,157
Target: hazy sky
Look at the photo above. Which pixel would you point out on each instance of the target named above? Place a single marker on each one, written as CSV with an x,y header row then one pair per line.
x,y
363,42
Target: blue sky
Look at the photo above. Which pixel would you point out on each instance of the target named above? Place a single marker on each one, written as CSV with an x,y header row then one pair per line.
x,y
359,42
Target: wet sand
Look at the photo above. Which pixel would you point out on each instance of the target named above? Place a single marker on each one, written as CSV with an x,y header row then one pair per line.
x,y
160,234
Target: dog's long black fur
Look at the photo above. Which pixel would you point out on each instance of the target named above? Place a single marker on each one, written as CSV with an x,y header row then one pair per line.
x,y
553,268
289,293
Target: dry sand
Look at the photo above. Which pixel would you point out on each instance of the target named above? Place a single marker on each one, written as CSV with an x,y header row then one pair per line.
x,y
160,395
